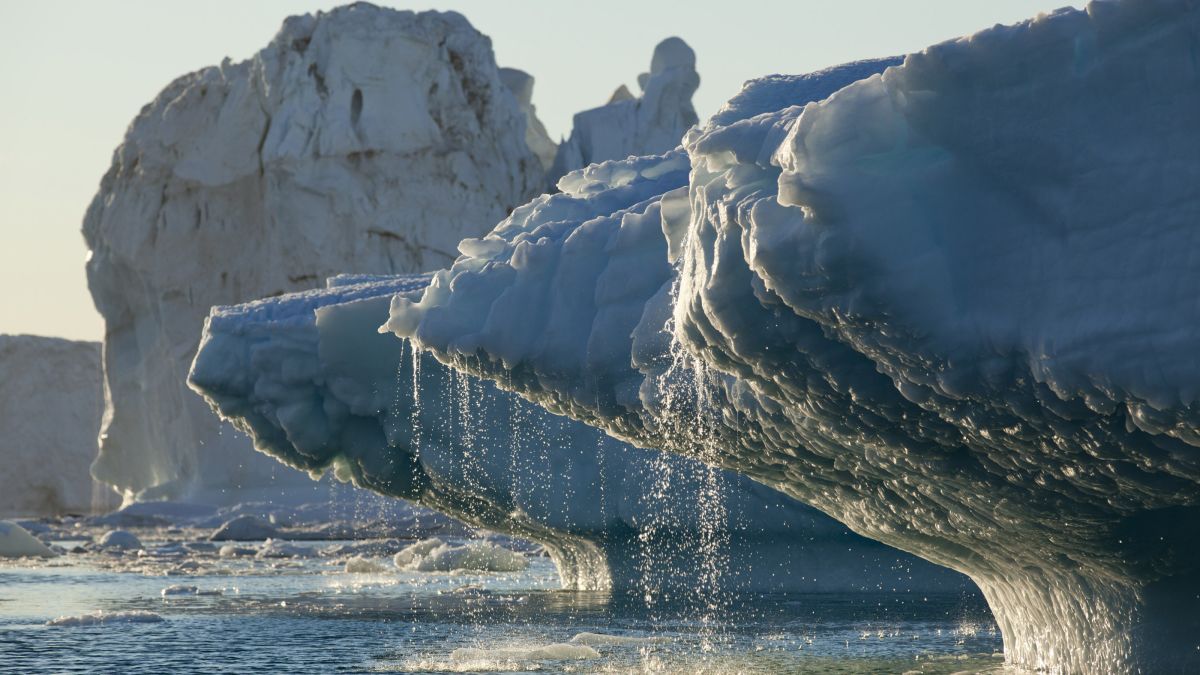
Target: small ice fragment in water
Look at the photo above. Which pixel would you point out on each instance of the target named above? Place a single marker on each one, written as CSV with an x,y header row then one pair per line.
x,y
120,539
411,554
603,640
180,589
244,528
361,565
15,542
434,555
231,551
101,617
273,548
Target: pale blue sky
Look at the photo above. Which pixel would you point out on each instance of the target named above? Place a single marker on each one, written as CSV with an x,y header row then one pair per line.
x,y
75,73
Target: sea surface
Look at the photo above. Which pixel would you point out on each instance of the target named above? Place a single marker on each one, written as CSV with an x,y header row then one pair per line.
x,y
305,613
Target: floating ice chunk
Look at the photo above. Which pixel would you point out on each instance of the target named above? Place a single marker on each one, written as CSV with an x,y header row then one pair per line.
x,y
434,555
184,589
552,652
16,542
274,548
244,528
361,565
415,552
387,547
120,539
200,547
232,551
101,618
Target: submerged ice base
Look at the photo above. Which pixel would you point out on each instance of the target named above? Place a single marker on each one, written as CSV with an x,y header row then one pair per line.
x,y
318,387
951,305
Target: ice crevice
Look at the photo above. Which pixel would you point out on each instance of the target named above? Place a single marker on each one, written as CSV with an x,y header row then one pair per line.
x,y
949,305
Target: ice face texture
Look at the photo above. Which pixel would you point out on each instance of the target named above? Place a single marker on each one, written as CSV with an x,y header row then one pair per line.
x,y
50,406
950,305
644,125
359,140
310,377
520,83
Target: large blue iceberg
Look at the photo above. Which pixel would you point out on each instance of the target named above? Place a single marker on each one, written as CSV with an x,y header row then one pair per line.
x,y
318,387
951,305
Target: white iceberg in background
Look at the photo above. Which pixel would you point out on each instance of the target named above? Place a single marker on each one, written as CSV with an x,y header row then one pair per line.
x,y
952,306
310,377
17,542
362,139
644,125
50,406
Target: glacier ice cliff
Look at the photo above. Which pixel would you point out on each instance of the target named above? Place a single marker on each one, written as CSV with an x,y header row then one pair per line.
x,y
310,377
50,406
363,139
950,305
644,125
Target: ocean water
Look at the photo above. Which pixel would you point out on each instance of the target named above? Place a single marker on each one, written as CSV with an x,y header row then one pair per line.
x,y
305,614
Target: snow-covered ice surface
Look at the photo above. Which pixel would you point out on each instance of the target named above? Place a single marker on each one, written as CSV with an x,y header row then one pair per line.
x,y
951,306
311,378
178,607
50,407
650,123
359,140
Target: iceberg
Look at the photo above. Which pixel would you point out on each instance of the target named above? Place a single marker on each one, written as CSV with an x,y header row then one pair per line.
x,y
311,379
520,83
648,124
50,407
949,305
363,139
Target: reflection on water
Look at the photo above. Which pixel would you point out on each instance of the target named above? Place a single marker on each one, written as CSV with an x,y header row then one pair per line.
x,y
308,615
